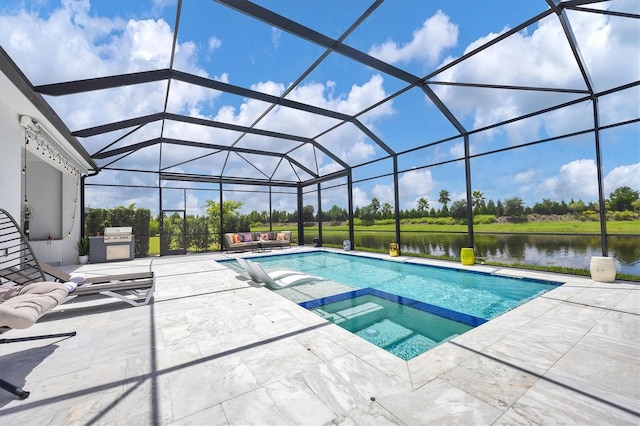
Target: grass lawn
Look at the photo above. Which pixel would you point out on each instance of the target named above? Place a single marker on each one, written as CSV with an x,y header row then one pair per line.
x,y
154,245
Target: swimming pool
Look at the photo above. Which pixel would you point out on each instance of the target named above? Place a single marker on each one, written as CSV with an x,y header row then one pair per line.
x,y
473,293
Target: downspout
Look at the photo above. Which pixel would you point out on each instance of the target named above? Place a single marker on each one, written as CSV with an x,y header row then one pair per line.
x,y
82,197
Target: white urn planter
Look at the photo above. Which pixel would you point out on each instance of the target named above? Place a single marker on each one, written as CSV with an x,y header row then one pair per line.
x,y
603,269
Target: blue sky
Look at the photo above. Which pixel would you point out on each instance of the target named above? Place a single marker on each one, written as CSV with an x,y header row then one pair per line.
x,y
82,39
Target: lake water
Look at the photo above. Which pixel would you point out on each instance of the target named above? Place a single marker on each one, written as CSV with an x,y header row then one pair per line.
x,y
574,251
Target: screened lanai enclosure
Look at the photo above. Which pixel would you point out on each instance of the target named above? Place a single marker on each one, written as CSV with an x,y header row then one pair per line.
x,y
436,125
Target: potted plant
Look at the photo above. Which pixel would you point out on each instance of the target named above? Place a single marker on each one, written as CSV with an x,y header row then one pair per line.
x,y
83,250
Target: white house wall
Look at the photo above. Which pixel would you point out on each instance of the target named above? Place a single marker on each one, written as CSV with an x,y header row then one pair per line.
x,y
54,194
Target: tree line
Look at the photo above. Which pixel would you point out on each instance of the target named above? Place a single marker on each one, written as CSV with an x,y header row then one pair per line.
x,y
623,199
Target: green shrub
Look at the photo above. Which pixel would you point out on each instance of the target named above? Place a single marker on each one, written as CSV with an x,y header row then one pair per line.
x,y
141,227
625,215
444,221
589,215
96,221
484,219
198,235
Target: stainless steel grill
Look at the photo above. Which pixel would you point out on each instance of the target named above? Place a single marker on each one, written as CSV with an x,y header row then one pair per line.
x,y
117,234
117,240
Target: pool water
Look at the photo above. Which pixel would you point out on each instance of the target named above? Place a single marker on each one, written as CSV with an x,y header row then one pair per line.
x,y
404,327
477,294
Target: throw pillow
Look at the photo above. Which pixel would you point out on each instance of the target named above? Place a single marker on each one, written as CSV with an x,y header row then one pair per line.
x,y
264,237
236,238
248,238
280,236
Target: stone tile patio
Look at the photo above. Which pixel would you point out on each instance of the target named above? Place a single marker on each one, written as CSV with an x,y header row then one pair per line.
x,y
215,348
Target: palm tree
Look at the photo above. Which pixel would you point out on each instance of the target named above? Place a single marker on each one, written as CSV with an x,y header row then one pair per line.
x,y
423,204
387,211
444,197
477,199
375,205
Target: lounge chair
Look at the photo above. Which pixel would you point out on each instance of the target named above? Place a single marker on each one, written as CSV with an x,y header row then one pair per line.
x,y
292,278
134,288
18,265
275,275
244,264
21,306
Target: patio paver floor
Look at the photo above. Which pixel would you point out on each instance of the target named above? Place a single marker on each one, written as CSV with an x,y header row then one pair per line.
x,y
214,348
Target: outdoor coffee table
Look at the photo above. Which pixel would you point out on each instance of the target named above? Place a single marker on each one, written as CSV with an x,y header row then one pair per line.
x,y
262,248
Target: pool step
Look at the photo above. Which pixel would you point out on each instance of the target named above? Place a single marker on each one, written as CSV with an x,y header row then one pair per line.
x,y
349,313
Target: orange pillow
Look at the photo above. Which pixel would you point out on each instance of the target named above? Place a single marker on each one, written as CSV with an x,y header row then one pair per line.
x,y
280,236
236,238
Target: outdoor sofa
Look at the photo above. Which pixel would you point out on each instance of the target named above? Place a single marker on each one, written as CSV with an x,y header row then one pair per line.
x,y
245,241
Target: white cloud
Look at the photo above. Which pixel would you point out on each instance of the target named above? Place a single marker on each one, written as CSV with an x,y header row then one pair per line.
x,y
577,179
457,150
195,206
214,43
384,193
159,5
543,58
111,46
148,43
412,185
524,176
415,184
427,44
360,197
628,175
287,120
275,37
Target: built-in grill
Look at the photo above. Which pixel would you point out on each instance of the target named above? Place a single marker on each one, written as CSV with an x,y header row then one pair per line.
x,y
115,244
117,234
116,239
